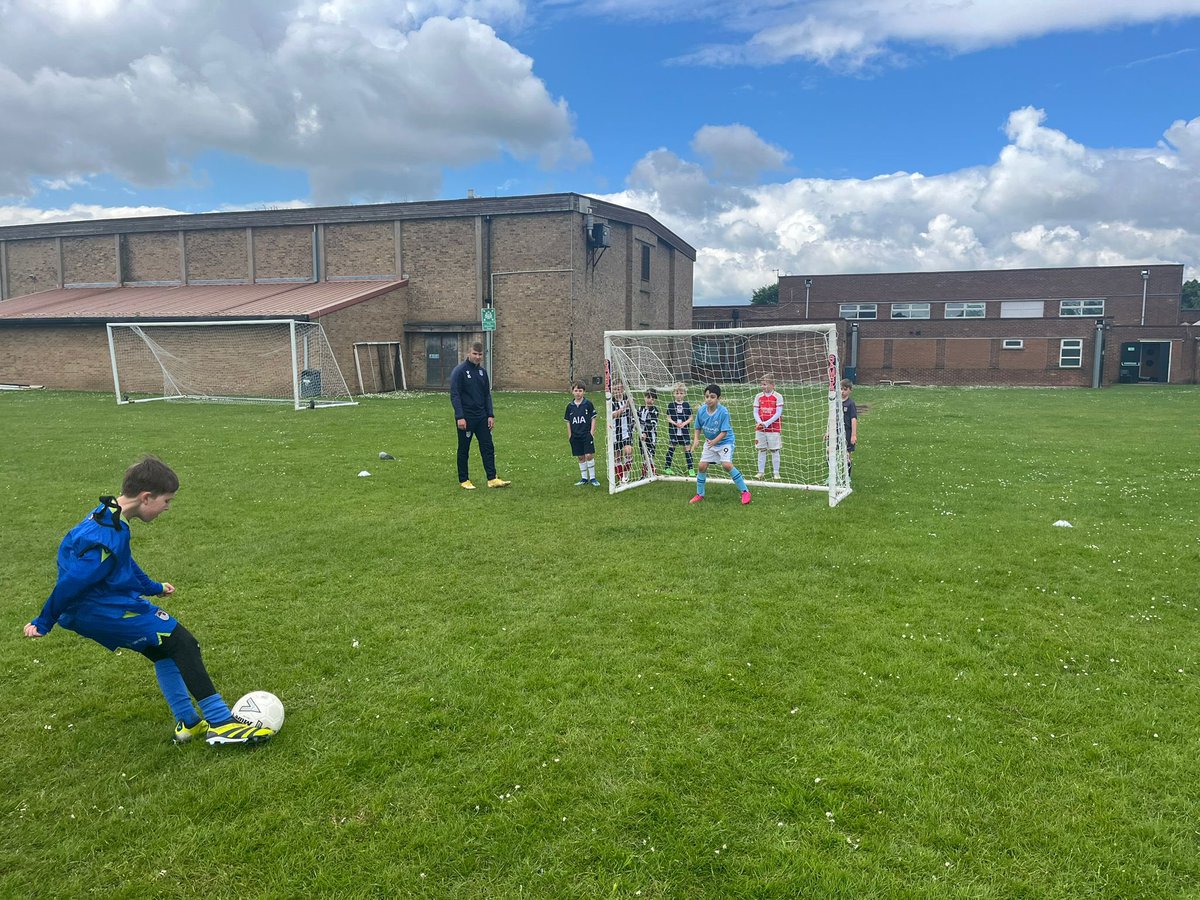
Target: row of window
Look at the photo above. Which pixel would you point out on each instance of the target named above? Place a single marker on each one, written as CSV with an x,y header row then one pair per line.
x,y
1009,309
1070,351
706,353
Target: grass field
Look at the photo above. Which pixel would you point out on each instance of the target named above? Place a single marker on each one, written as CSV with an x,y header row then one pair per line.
x,y
546,691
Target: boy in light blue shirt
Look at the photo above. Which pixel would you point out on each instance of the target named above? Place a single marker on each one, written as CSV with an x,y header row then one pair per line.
x,y
712,420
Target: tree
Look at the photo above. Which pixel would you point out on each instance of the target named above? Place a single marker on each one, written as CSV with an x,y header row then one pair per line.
x,y
1191,294
768,295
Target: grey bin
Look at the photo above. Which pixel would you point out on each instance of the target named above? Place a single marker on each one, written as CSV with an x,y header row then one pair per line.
x,y
310,383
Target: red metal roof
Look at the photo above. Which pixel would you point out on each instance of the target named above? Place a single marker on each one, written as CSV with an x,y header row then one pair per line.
x,y
195,301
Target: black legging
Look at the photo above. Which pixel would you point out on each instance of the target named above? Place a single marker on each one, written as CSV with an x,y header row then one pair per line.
x,y
477,427
181,646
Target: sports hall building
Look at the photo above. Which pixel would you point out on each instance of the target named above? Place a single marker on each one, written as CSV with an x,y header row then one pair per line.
x,y
409,285
1069,327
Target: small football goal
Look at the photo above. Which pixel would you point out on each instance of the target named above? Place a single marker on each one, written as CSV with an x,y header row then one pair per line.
x,y
226,361
791,436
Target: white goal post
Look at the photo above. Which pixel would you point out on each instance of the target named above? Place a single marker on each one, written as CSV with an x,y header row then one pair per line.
x,y
226,361
800,360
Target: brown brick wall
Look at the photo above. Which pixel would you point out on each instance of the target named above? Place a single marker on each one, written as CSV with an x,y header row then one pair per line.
x,y
62,357
360,249
682,299
601,303
532,332
441,263
1119,286
520,243
32,266
533,309
90,260
217,255
152,257
283,252
940,361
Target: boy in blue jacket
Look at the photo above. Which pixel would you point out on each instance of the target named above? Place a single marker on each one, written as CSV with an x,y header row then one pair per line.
x,y
101,594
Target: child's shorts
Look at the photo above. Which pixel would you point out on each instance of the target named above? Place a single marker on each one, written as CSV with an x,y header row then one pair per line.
x,y
581,446
768,440
136,631
722,453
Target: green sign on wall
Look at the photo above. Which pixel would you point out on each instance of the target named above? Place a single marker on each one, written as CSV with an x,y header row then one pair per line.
x,y
489,319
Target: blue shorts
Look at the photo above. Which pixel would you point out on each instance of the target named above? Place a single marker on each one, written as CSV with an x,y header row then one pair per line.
x,y
135,631
582,445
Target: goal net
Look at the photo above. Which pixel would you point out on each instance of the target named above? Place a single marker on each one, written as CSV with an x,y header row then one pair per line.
x,y
803,448
250,361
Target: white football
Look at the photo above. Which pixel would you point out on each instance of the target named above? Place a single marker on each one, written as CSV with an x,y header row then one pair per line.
x,y
261,708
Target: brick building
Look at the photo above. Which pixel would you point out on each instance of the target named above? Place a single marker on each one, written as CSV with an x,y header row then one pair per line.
x,y
1054,327
556,270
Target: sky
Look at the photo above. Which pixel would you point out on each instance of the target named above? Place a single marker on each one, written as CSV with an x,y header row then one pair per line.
x,y
803,138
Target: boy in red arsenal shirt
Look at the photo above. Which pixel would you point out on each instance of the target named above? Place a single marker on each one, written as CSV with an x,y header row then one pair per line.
x,y
768,426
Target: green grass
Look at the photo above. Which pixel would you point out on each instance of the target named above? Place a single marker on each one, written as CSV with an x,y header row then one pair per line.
x,y
550,692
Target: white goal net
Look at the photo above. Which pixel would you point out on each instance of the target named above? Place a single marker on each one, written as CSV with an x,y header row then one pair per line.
x,y
790,437
229,361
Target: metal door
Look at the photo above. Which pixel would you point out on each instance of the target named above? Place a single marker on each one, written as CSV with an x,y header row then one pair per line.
x,y
1131,361
441,356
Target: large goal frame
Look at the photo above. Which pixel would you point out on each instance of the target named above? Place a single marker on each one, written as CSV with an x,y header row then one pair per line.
x,y
805,359
304,368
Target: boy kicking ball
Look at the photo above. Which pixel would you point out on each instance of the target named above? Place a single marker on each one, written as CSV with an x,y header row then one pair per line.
x,y
101,594
712,420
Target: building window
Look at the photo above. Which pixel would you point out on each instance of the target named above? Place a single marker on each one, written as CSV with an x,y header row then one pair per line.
x,y
966,310
1070,353
910,310
858,311
1081,307
1013,344
645,262
1021,309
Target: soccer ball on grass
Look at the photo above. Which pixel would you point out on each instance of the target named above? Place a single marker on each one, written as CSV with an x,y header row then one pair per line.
x,y
261,708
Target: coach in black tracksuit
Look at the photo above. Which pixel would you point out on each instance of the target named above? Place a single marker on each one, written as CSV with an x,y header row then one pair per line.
x,y
471,394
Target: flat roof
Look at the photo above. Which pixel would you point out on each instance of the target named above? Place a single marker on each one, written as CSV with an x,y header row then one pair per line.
x,y
307,300
373,212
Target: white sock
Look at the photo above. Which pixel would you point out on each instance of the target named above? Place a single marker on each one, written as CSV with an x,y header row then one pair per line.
x,y
775,462
591,469
762,461
583,467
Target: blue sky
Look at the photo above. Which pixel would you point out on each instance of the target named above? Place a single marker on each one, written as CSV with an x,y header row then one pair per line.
x,y
798,137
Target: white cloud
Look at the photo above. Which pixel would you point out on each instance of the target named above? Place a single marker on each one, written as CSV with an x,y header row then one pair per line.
x,y
78,212
1046,201
373,99
850,33
736,153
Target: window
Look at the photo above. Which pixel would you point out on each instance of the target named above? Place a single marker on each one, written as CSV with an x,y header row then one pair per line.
x,y
910,310
1070,353
1013,344
857,311
1021,309
645,262
965,310
1081,308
